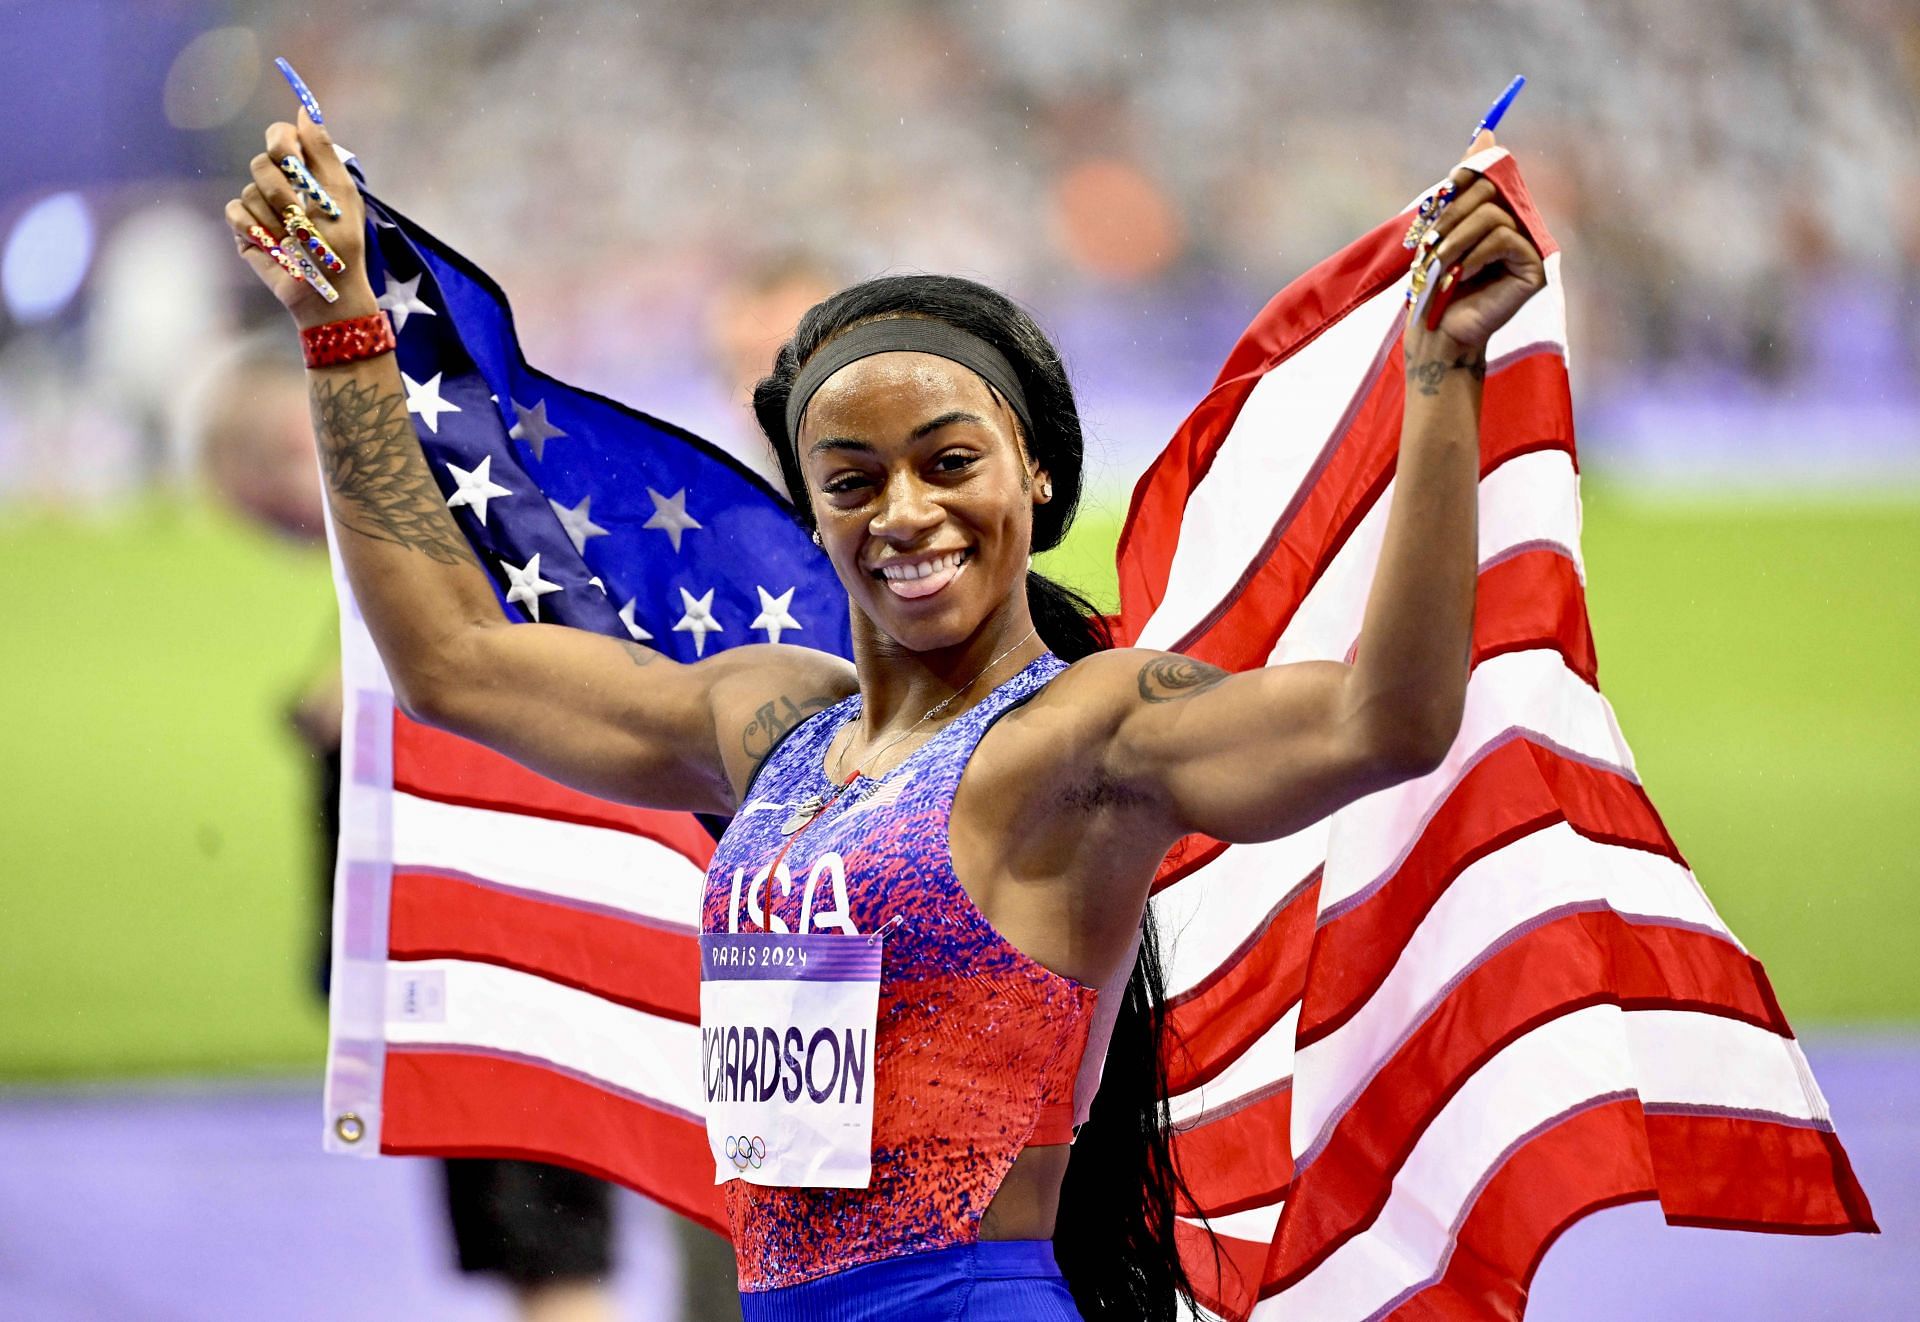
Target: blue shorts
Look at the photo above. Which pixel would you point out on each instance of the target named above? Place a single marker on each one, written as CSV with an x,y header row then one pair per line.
x,y
995,1280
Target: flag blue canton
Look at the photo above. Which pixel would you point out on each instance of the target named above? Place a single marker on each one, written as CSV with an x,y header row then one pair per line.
x,y
584,511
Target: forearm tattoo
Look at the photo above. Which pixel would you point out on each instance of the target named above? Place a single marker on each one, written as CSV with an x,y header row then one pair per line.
x,y
378,483
1169,678
1427,376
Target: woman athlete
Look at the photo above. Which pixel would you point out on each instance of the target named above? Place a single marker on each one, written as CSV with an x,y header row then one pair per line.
x,y
926,430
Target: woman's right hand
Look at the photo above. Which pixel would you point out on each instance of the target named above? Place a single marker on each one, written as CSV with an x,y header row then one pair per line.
x,y
263,200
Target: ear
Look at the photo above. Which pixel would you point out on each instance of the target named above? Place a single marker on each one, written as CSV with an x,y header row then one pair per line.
x,y
1042,485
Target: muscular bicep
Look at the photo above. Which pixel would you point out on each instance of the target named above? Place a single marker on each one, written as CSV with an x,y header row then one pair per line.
x,y
1250,756
622,721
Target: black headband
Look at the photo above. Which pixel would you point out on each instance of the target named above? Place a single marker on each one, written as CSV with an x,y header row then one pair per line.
x,y
908,335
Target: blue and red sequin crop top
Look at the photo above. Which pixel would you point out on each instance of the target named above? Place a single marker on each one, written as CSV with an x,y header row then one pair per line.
x,y
977,1047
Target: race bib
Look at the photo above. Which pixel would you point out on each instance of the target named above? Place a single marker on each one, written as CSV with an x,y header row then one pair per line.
x,y
786,1035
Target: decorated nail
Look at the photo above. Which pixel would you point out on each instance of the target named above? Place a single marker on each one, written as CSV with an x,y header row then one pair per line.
x,y
302,178
299,86
1442,295
311,274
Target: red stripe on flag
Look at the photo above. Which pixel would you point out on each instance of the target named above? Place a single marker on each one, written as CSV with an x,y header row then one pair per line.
x,y
454,1104
1294,318
1224,1270
1189,854
433,764
1517,789
1534,599
1526,409
1211,1024
1741,1173
1575,961
1787,1179
1593,1159
1238,1157
620,959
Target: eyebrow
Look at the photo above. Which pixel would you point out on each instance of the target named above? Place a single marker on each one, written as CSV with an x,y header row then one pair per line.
x,y
924,430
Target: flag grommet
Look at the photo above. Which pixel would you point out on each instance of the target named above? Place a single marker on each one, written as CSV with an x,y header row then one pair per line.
x,y
349,1127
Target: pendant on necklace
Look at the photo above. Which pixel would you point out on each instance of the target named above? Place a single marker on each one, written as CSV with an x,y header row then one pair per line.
x,y
803,812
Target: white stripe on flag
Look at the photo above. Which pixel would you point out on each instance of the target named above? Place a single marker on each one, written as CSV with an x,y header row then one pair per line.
x,y
1683,1061
565,860
1541,321
1205,916
1531,690
1579,1059
1283,427
489,1008
1255,1225
1532,498
1490,899
1267,1061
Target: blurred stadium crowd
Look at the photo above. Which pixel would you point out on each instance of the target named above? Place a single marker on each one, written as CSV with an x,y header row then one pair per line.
x,y
1737,186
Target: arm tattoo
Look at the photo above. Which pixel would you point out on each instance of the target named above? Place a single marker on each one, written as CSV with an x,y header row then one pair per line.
x,y
640,656
378,482
774,719
1167,678
1426,377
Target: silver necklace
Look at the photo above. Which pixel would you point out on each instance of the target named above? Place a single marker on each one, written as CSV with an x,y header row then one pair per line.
x,y
815,804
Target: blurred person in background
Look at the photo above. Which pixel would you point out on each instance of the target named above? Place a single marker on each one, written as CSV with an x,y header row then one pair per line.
x,y
546,1231
749,317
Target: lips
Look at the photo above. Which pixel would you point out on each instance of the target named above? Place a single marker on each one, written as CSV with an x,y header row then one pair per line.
x,y
922,577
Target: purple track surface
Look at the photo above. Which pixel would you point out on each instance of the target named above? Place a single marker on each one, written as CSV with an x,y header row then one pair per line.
x,y
213,1201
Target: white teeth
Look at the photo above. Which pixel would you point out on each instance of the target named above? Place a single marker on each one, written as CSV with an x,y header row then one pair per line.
x,y
926,568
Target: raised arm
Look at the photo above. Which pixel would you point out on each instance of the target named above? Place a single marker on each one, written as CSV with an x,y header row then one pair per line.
x,y
605,715
1258,755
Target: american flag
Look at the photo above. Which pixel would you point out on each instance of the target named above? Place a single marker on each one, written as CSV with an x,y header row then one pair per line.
x,y
1409,1045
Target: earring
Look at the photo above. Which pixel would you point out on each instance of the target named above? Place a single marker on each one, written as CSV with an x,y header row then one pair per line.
x,y
816,538
1046,491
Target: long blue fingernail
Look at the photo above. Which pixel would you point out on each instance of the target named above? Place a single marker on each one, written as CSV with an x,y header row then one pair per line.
x,y
1498,110
299,86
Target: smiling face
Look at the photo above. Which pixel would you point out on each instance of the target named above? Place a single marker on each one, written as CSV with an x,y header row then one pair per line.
x,y
923,495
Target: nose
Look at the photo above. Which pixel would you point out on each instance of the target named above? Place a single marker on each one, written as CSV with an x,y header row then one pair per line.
x,y
907,512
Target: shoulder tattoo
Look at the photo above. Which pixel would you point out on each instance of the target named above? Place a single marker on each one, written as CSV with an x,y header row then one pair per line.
x,y
774,719
1169,678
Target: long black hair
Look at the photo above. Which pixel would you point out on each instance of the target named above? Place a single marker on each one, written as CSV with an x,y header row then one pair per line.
x,y
1114,1237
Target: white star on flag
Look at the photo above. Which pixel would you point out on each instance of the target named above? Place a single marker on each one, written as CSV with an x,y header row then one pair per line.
x,y
527,585
476,488
774,615
595,582
698,620
401,298
425,400
670,515
533,428
633,626
579,527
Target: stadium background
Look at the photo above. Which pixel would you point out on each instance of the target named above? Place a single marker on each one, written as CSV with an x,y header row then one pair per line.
x,y
1737,188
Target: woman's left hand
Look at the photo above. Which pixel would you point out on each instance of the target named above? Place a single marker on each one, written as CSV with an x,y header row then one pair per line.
x,y
1500,269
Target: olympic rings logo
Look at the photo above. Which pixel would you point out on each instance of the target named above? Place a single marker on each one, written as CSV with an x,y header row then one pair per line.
x,y
744,1152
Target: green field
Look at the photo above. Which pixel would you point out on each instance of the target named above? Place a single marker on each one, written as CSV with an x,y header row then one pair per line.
x,y
155,865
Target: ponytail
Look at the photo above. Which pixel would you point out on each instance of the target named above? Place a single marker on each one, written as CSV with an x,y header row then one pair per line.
x,y
1066,621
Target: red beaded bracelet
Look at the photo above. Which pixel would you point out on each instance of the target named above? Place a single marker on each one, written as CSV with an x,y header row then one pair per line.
x,y
349,341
